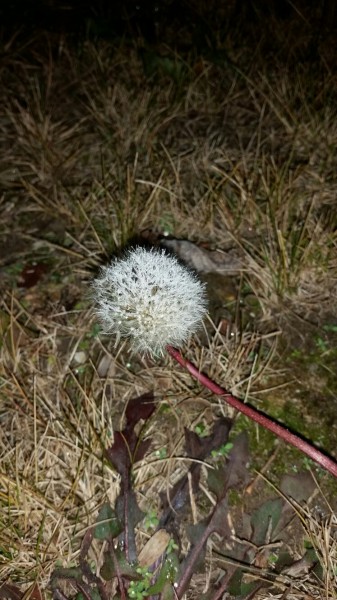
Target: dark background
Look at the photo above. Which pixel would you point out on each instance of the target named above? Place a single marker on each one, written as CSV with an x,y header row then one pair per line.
x,y
180,23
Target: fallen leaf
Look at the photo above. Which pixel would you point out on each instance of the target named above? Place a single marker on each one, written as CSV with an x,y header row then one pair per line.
x,y
206,261
154,548
299,486
106,366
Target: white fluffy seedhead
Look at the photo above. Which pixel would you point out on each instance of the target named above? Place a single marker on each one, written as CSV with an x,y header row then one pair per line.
x,y
149,298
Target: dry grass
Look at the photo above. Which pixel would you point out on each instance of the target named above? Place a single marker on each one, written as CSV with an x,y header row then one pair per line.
x,y
321,531
93,155
103,154
318,522
64,393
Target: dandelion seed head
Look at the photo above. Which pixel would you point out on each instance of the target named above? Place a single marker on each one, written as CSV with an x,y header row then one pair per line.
x,y
150,298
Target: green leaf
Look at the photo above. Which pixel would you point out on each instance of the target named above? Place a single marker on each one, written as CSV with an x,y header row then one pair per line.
x,y
109,567
330,328
265,519
241,589
108,525
168,574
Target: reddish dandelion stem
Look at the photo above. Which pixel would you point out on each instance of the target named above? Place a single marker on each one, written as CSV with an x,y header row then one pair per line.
x,y
260,418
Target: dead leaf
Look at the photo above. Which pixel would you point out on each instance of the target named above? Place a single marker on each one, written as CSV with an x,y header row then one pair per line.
x,y
206,261
300,567
106,366
299,487
234,472
154,548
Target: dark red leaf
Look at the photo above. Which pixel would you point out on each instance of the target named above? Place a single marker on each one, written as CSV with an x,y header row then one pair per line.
x,y
116,564
219,522
128,447
120,454
140,408
198,448
141,449
129,514
31,274
233,473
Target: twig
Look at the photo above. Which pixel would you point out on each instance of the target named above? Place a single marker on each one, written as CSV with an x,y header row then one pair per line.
x,y
58,595
225,581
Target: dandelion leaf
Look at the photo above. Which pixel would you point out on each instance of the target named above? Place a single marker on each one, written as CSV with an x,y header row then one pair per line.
x,y
129,513
265,520
108,526
241,589
128,447
196,448
233,473
117,564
